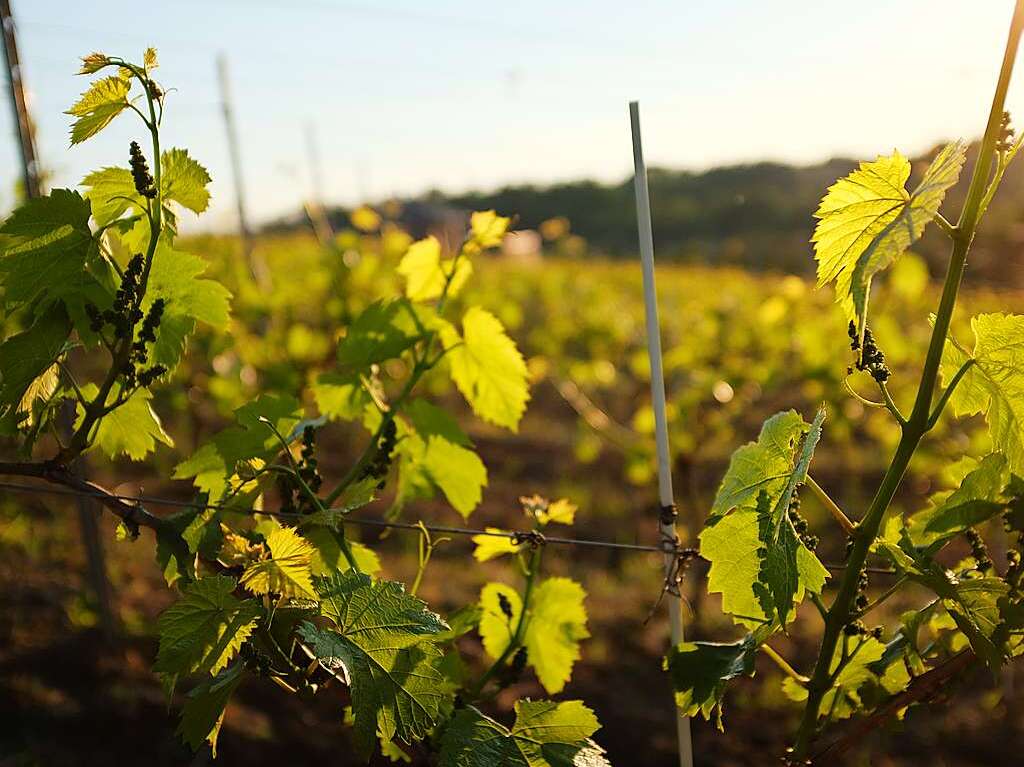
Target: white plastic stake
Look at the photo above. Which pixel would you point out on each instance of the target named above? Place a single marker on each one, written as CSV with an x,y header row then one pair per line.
x,y
668,531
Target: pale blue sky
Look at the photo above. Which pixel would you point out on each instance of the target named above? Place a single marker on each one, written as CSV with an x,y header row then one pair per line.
x,y
457,94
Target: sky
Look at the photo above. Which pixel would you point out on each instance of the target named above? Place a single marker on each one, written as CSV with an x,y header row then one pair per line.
x,y
399,97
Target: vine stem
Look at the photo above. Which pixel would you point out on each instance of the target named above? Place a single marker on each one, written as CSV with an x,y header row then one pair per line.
x,y
917,424
96,409
517,634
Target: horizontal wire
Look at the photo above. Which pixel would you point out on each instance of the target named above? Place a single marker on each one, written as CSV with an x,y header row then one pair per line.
x,y
363,521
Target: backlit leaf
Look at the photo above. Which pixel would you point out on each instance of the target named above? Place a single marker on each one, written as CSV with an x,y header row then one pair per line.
x,y
287,572
545,734
46,247
204,629
203,714
487,368
132,429
994,384
555,624
380,643
868,219
105,99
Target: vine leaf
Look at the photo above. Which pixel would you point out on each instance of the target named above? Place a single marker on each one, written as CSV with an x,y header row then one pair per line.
x,y
288,572
979,498
545,734
112,192
487,229
203,713
204,629
976,605
843,698
381,332
867,220
487,368
491,546
213,465
27,357
132,429
555,624
184,181
758,564
45,249
436,448
426,273
340,396
994,384
105,99
701,671
764,464
189,299
381,643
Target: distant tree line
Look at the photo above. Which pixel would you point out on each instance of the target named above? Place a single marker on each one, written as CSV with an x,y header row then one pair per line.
x,y
757,216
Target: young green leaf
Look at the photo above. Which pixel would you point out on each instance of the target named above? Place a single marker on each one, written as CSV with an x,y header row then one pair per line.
x,y
555,624
979,497
487,368
184,181
214,463
381,644
45,249
29,356
994,384
132,429
733,546
490,546
458,471
765,464
204,629
102,102
426,274
203,714
867,220
288,571
701,671
340,397
545,734
383,331
976,605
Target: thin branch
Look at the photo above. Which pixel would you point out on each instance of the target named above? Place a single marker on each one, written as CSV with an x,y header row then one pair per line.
x,y
783,664
944,399
837,514
921,689
132,513
890,403
948,228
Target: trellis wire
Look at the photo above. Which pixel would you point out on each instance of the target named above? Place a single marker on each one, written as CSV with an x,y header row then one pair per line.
x,y
364,522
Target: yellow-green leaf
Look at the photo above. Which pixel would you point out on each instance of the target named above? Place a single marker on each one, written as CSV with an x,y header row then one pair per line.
x,y
491,546
288,572
555,624
487,368
131,429
994,384
426,273
868,219
105,100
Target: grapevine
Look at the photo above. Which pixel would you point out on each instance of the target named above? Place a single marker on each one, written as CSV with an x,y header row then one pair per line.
x,y
100,302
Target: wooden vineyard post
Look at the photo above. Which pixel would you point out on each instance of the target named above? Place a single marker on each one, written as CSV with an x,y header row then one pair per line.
x,y
665,497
